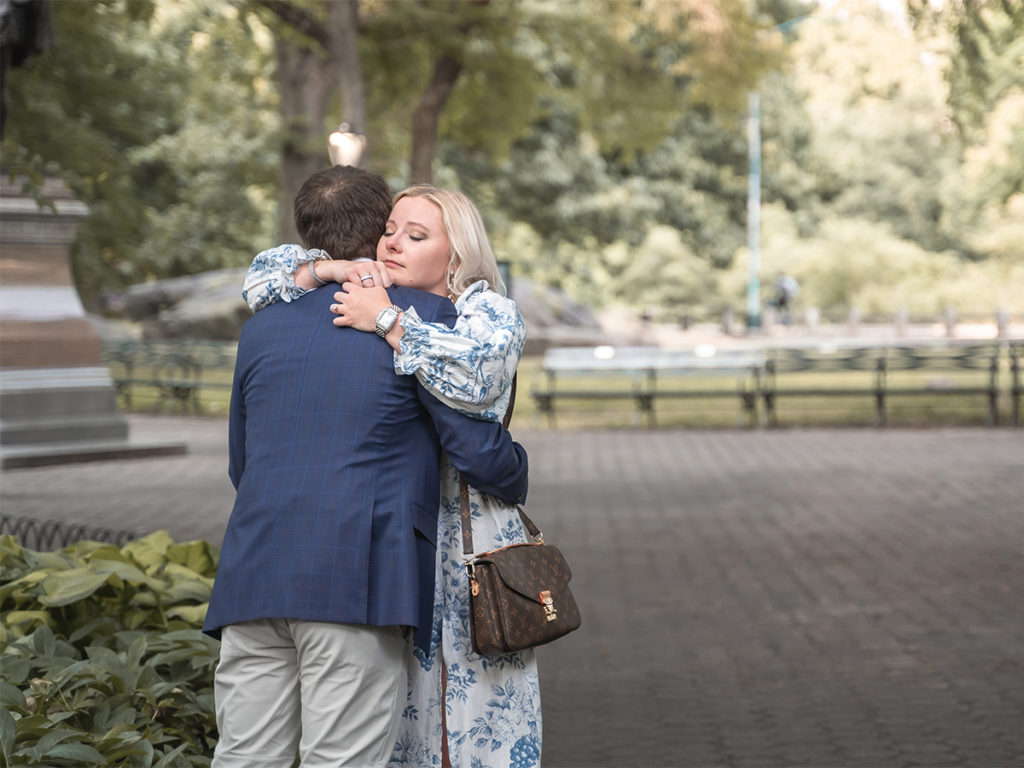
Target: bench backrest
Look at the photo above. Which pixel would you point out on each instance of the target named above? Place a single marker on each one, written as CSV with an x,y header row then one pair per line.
x,y
823,358
626,360
966,357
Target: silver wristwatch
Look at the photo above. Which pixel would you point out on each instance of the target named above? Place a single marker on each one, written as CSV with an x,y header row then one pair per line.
x,y
386,319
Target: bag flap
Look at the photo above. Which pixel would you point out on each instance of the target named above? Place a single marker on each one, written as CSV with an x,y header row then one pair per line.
x,y
530,569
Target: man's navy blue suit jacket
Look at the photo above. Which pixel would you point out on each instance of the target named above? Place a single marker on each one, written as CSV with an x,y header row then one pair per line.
x,y
335,459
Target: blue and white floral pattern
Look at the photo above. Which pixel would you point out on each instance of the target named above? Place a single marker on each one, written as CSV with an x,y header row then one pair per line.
x,y
469,367
269,279
492,708
492,703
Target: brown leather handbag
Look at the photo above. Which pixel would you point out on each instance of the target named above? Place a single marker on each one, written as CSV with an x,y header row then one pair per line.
x,y
519,595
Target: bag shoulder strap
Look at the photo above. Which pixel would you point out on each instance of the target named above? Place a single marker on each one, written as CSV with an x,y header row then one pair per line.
x,y
467,521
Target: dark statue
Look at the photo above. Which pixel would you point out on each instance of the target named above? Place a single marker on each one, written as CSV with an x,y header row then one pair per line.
x,y
26,28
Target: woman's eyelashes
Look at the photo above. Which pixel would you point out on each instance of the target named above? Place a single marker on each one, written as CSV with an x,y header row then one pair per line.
x,y
412,235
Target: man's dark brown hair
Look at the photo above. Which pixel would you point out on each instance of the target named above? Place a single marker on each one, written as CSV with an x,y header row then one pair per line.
x,y
343,210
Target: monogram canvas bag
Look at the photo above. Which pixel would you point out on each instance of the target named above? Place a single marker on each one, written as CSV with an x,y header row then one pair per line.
x,y
519,595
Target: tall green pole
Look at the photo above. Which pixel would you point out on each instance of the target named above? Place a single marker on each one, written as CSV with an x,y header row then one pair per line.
x,y
754,210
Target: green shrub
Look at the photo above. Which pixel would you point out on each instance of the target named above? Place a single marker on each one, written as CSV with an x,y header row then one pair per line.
x,y
101,657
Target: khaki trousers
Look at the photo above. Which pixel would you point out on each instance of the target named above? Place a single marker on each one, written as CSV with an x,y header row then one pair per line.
x,y
333,692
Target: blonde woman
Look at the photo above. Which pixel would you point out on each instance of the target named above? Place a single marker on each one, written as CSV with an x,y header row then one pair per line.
x,y
434,240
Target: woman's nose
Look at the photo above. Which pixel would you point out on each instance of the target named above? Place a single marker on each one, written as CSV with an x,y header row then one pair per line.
x,y
391,242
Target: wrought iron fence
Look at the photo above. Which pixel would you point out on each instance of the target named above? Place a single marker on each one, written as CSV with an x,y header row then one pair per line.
x,y
48,535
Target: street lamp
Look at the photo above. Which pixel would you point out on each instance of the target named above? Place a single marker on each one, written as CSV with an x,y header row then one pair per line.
x,y
345,145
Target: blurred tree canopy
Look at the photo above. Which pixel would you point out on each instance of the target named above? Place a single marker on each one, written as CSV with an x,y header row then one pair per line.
x,y
158,116
604,140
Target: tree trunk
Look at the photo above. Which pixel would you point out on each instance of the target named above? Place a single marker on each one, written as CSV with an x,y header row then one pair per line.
x,y
426,117
304,78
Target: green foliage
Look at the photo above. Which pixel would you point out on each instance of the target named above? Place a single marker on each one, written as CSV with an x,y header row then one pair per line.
x,y
155,114
585,130
873,91
101,658
864,265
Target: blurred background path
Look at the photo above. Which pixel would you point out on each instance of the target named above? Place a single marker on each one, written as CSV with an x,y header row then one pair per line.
x,y
769,598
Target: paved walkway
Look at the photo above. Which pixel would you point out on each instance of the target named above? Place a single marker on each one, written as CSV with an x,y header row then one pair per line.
x,y
778,598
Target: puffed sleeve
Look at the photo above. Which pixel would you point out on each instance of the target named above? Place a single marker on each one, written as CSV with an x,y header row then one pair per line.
x,y
468,367
269,279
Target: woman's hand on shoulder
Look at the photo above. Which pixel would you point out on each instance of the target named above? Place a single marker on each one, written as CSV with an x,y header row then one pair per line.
x,y
365,273
357,307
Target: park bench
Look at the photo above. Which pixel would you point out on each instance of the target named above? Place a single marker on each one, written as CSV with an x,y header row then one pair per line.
x,y
882,373
973,369
646,375
171,374
804,372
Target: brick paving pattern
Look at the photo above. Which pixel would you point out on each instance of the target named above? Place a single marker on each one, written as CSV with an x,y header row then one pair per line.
x,y
770,598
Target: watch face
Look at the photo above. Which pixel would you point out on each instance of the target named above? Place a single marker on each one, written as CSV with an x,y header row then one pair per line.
x,y
385,320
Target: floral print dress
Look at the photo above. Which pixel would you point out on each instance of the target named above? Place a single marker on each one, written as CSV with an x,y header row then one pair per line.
x,y
492,703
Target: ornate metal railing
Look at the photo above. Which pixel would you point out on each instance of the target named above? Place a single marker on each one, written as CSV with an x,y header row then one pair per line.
x,y
48,535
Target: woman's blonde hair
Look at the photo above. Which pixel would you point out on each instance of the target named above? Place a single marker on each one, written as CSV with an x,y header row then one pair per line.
x,y
470,253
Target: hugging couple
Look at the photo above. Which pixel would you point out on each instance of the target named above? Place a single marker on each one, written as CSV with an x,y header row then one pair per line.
x,y
376,369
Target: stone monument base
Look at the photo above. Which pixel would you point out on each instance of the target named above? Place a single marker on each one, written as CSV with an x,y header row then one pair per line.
x,y
57,399
60,415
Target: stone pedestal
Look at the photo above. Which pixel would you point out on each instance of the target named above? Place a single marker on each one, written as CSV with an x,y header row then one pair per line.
x,y
57,400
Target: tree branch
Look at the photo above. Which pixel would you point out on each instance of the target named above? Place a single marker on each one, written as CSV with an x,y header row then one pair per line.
x,y
297,19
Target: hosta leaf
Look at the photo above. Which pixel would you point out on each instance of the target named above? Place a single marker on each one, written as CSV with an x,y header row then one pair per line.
x,y
34,725
11,696
149,551
70,586
52,738
15,618
135,618
136,651
7,729
189,589
81,754
193,614
24,587
104,657
145,600
168,759
13,669
87,549
40,561
125,571
103,626
119,734
66,677
198,556
174,572
43,641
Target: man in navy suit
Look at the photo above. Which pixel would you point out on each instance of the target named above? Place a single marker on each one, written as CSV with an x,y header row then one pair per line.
x,y
328,557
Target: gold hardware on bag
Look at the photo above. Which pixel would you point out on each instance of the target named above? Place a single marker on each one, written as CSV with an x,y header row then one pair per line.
x,y
474,587
549,605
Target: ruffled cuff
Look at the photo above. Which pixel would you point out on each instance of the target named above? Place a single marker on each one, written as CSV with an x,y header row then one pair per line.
x,y
412,347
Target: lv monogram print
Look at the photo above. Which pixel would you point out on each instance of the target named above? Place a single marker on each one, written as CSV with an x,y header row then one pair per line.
x,y
520,598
